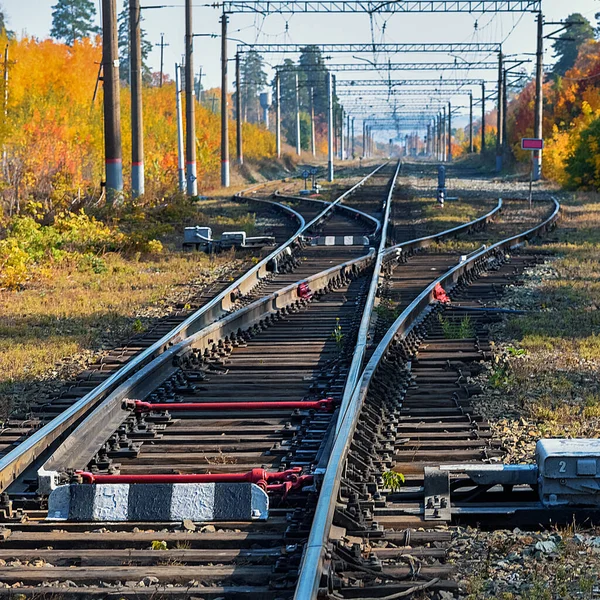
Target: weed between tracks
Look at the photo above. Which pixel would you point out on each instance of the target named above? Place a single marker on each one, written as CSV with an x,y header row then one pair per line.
x,y
424,215
457,330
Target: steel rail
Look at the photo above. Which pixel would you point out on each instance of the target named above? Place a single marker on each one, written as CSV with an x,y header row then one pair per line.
x,y
18,459
81,445
363,330
361,214
424,242
312,561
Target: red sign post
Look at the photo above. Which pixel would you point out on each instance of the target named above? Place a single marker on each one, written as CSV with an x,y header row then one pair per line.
x,y
531,144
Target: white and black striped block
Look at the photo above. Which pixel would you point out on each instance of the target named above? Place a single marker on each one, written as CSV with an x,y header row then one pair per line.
x,y
341,240
158,502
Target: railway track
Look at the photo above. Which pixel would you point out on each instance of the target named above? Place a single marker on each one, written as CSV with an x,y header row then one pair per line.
x,y
319,368
215,300
380,528
295,343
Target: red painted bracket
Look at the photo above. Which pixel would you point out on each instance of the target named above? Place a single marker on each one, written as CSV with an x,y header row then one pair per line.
x,y
327,404
275,482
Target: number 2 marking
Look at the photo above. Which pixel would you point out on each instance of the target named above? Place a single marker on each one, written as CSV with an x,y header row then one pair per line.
x,y
562,466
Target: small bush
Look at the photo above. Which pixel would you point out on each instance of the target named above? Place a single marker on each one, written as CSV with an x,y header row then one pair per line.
x,y
73,236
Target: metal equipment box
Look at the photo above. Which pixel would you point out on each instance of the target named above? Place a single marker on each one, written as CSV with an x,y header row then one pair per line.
x,y
233,238
197,235
569,472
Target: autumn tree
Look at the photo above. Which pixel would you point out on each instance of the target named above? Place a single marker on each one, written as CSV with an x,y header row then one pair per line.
x,y
566,46
73,20
125,49
287,87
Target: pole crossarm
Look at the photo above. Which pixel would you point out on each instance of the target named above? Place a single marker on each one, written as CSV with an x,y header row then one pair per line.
x,y
349,93
416,66
267,7
391,83
448,48
425,103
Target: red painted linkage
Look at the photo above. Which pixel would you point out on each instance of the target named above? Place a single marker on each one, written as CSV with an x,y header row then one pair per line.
x,y
304,291
439,294
276,482
326,405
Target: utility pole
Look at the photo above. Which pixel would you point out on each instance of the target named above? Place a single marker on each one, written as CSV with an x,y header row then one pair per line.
x,y
298,142
500,117
428,139
199,94
348,155
449,132
6,82
471,147
444,145
224,115
441,143
137,119
238,110
4,154
278,114
505,115
162,46
335,136
329,126
341,134
364,139
482,117
112,102
180,150
353,139
539,97
190,105
312,122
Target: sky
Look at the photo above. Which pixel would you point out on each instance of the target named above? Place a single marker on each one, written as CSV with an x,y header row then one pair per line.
x,y
516,31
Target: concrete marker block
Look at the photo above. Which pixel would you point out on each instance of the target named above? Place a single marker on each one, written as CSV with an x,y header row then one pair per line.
x,y
197,502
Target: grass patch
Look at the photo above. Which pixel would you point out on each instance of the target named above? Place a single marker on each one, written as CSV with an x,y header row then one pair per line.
x,y
457,330
68,311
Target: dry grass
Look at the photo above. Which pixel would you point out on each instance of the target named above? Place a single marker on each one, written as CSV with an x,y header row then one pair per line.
x,y
552,388
69,312
454,212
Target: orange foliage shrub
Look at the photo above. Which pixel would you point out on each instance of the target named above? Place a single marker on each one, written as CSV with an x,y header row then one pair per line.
x,y
53,135
571,107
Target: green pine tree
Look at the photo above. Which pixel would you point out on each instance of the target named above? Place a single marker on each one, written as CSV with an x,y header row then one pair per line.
x,y
10,34
73,20
566,46
312,72
123,37
254,79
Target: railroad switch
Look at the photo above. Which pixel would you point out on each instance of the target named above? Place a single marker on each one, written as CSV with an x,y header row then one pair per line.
x,y
566,477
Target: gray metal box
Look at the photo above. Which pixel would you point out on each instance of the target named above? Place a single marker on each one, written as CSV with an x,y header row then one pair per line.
x,y
569,472
233,238
197,235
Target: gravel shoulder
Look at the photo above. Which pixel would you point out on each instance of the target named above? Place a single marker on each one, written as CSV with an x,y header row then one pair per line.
x,y
542,383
